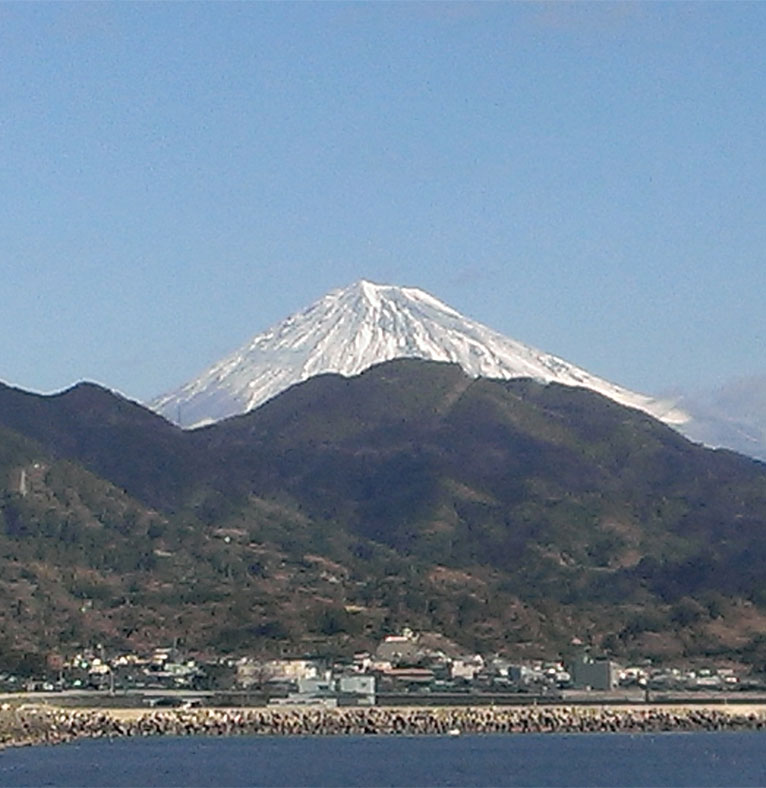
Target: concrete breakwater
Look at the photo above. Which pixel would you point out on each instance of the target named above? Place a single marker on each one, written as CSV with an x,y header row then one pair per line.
x,y
48,725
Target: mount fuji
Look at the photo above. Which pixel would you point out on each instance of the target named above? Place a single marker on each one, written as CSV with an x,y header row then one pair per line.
x,y
350,330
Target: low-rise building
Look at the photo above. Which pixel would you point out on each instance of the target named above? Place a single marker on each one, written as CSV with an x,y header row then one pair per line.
x,y
465,669
359,689
398,650
591,673
252,672
346,690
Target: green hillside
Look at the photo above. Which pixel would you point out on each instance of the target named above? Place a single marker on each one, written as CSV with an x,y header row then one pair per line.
x,y
510,515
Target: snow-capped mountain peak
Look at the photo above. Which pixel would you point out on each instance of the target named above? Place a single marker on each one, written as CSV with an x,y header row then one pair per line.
x,y
350,330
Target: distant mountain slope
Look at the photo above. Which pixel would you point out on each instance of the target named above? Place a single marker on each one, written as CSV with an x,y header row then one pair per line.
x,y
508,514
732,415
69,543
114,437
419,456
350,330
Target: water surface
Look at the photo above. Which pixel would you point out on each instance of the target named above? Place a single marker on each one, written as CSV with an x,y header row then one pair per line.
x,y
666,759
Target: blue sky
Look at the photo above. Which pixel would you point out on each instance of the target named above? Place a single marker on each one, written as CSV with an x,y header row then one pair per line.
x,y
586,178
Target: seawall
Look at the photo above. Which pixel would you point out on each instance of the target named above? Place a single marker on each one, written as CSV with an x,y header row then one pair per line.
x,y
50,725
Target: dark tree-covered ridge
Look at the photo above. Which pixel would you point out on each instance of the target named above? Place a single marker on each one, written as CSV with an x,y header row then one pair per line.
x,y
510,515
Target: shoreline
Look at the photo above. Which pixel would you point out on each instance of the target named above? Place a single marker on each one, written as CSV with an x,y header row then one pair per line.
x,y
35,725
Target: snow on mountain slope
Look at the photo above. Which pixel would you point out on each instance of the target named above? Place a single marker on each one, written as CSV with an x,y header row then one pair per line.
x,y
352,329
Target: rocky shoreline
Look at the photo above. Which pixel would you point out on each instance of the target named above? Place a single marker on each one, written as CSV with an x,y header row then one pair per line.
x,y
50,725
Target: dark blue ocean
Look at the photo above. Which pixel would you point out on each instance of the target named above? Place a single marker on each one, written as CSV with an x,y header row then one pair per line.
x,y
672,759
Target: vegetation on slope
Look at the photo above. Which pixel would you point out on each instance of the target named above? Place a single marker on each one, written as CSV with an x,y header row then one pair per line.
x,y
509,515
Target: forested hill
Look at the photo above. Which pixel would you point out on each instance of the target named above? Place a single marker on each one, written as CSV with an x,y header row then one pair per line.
x,y
508,514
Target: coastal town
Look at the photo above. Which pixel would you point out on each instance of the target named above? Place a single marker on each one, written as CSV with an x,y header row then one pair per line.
x,y
408,668
412,684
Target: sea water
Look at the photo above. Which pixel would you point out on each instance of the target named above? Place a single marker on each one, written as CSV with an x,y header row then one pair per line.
x,y
666,759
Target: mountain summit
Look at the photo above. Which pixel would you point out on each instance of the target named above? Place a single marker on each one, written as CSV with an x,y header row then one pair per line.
x,y
350,330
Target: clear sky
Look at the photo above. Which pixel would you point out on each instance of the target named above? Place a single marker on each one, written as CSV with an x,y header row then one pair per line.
x,y
586,178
